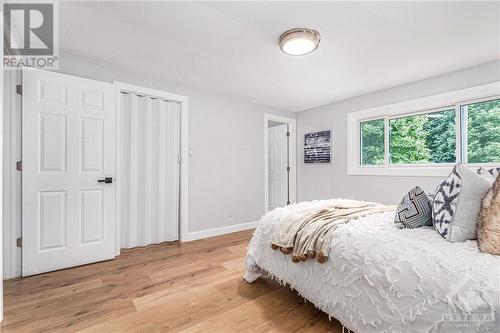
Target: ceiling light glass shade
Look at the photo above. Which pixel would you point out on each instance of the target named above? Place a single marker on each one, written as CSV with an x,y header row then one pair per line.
x,y
299,41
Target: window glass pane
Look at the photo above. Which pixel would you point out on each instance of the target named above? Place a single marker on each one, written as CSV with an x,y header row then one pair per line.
x,y
372,142
423,139
483,131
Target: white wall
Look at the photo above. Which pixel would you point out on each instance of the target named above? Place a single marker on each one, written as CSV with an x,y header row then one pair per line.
x,y
226,137
331,180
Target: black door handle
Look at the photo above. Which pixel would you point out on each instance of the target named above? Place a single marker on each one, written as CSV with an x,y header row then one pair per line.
x,y
107,180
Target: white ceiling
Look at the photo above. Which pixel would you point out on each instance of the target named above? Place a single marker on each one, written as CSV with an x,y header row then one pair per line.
x,y
231,48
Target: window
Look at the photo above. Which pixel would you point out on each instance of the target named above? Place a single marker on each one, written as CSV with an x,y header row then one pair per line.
x,y
427,136
483,131
372,142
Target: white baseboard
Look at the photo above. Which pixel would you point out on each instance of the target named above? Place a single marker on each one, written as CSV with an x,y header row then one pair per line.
x,y
219,231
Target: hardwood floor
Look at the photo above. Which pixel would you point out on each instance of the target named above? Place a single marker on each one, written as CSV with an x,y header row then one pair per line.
x,y
190,287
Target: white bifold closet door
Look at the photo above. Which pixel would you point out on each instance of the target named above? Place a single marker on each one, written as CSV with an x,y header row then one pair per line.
x,y
149,177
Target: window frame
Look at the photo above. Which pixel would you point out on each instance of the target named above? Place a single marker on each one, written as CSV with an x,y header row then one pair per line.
x,y
435,103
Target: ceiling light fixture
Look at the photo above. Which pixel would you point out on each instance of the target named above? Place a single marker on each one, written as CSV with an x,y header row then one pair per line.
x,y
299,41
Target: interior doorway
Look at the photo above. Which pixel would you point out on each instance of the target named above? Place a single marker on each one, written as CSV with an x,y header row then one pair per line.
x,y
280,165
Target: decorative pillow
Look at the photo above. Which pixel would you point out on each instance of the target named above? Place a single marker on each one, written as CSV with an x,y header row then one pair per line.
x,y
493,171
488,223
488,175
414,210
457,203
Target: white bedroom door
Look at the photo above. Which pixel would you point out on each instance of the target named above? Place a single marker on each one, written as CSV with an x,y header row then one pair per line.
x,y
67,171
278,166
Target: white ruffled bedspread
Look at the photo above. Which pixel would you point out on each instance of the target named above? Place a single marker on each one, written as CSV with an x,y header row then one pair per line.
x,y
382,279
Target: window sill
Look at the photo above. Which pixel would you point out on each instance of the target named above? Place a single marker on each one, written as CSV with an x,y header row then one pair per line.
x,y
413,171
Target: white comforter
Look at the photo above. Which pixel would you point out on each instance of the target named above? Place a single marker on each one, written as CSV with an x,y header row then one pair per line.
x,y
382,279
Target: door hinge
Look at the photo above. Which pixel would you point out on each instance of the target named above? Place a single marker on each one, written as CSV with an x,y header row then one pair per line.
x,y
288,168
19,89
19,165
19,242
287,133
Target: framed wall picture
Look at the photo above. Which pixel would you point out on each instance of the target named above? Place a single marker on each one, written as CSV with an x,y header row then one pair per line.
x,y
317,147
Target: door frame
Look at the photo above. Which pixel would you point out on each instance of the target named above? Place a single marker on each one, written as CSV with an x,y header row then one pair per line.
x,y
12,178
1,182
292,152
183,170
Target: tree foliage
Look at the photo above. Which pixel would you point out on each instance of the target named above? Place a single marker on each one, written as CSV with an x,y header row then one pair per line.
x,y
372,138
483,132
407,140
440,129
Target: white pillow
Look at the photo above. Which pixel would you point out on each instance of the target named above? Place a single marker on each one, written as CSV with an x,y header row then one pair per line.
x,y
457,203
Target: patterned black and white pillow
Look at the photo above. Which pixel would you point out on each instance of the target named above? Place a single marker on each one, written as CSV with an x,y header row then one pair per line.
x,y
445,202
492,171
455,219
414,210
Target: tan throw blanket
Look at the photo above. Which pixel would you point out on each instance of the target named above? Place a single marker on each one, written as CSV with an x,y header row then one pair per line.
x,y
307,234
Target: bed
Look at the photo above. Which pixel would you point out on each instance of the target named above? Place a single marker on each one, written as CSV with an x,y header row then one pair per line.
x,y
379,278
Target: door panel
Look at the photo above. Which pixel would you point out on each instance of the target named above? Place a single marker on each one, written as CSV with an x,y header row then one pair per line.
x,y
52,142
67,146
93,99
92,144
53,220
92,215
52,92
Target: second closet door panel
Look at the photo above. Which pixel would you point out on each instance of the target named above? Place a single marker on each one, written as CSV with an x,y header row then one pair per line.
x,y
150,131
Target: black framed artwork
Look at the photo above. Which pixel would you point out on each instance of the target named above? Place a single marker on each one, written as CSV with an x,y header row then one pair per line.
x,y
317,147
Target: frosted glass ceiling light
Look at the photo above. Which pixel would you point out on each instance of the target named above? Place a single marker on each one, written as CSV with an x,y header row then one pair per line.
x,y
299,41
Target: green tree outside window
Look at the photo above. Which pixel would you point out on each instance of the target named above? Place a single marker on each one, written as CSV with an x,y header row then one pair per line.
x,y
483,131
372,142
